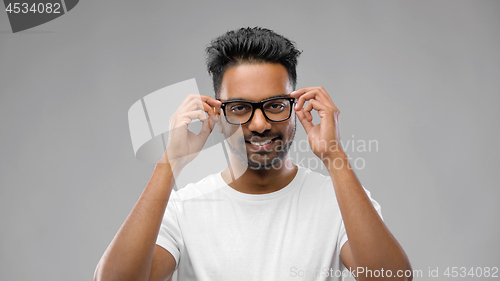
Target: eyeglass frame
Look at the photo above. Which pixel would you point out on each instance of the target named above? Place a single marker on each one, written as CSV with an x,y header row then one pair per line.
x,y
259,105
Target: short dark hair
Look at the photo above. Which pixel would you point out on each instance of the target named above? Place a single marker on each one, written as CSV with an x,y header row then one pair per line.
x,y
250,45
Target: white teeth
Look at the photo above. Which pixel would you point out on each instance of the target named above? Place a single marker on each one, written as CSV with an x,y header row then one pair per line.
x,y
260,143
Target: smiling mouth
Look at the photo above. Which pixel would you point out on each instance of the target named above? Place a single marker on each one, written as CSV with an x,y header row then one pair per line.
x,y
261,142
260,145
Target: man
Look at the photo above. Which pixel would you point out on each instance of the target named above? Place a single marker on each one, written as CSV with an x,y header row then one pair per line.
x,y
262,218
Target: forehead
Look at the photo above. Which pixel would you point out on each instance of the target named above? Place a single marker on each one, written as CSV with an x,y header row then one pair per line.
x,y
255,82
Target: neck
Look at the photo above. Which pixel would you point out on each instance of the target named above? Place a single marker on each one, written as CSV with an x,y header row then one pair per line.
x,y
259,181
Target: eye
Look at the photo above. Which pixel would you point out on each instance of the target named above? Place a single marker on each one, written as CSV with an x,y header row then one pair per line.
x,y
275,106
239,108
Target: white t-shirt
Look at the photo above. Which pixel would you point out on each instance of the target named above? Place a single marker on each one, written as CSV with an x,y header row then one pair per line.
x,y
217,233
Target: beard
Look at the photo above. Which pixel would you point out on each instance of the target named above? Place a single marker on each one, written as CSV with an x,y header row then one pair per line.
x,y
267,160
257,160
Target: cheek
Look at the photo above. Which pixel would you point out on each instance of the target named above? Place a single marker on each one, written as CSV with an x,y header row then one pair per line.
x,y
290,129
232,133
227,129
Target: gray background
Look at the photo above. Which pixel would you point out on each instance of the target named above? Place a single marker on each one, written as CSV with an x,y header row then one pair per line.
x,y
420,77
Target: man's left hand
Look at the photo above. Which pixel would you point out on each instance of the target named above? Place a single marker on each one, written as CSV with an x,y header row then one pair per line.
x,y
324,138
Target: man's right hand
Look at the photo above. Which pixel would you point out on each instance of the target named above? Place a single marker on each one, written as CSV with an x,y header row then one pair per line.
x,y
133,253
183,145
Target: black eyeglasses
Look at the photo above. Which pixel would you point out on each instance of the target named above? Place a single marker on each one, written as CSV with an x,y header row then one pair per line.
x,y
240,112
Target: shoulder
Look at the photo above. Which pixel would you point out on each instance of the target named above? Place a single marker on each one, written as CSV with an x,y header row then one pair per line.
x,y
312,178
314,185
317,180
206,187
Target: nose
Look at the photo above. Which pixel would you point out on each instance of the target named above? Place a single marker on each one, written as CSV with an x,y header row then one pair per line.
x,y
259,123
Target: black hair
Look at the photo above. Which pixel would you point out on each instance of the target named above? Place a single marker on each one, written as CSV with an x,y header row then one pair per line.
x,y
250,45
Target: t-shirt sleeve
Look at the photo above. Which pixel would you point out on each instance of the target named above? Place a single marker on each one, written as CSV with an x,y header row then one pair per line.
x,y
169,236
342,238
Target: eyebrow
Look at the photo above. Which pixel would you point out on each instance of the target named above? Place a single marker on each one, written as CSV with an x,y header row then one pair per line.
x,y
277,96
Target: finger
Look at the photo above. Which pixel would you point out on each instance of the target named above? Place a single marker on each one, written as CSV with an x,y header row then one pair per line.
x,y
301,91
327,98
188,117
314,94
297,94
302,100
307,111
199,104
206,129
326,113
305,94
196,102
211,110
308,89
193,104
314,104
211,101
188,99
207,108
208,126
307,124
210,105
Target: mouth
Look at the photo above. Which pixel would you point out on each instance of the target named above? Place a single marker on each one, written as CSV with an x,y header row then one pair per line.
x,y
261,144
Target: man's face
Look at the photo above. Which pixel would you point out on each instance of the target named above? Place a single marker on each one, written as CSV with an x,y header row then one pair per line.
x,y
264,143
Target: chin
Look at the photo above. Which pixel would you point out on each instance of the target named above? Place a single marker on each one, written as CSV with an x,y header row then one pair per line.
x,y
266,164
